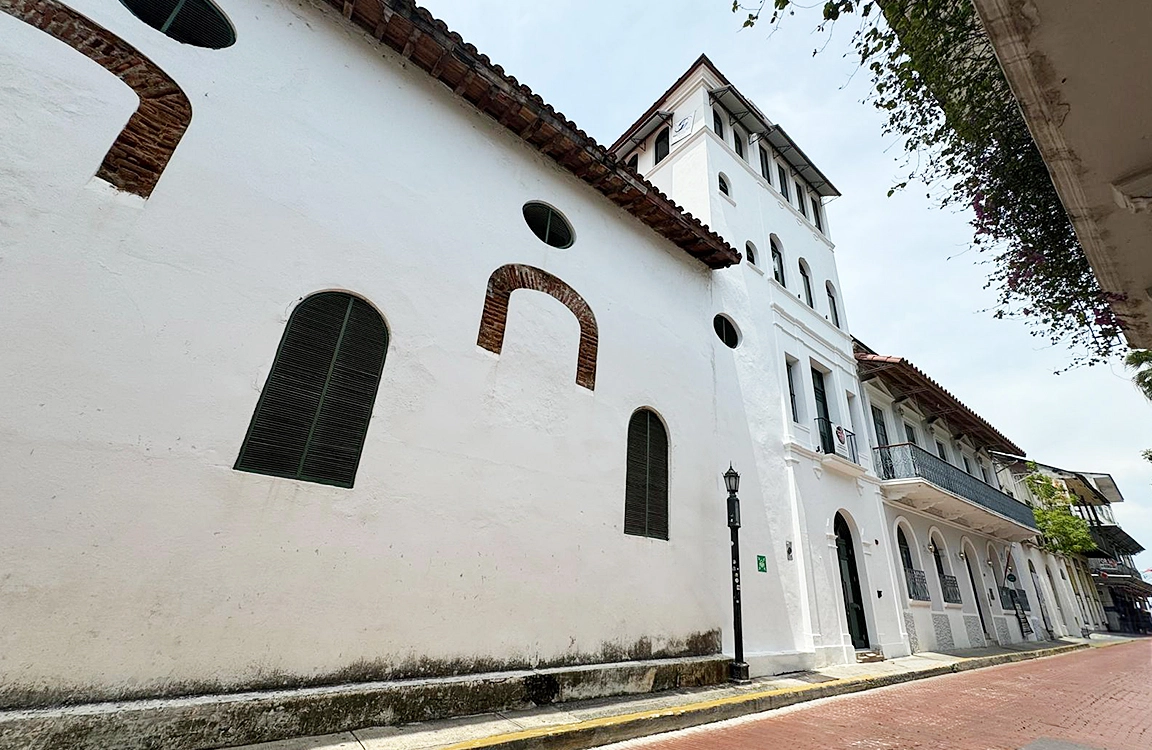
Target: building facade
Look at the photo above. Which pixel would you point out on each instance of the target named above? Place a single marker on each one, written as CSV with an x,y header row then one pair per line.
x,y
1109,592
366,363
963,543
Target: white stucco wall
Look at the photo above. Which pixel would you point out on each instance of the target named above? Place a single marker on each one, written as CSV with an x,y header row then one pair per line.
x,y
485,525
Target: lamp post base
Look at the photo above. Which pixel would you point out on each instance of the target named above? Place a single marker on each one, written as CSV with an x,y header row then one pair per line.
x,y
738,673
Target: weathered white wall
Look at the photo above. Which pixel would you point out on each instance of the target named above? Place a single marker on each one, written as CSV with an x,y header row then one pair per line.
x,y
485,526
942,625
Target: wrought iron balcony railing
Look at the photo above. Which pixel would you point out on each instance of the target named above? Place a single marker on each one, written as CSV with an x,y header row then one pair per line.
x,y
836,439
1111,567
908,461
951,589
917,585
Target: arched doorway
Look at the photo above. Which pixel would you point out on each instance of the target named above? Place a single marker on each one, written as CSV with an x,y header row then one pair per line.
x,y
1040,600
970,559
850,583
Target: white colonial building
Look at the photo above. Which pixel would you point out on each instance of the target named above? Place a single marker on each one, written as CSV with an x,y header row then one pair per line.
x,y
961,539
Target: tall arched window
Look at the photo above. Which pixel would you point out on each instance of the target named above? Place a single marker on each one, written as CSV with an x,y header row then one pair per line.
x,y
313,414
777,263
661,145
807,279
646,480
832,309
750,251
905,550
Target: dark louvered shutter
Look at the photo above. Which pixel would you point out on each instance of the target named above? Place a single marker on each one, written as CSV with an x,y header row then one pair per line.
x,y
313,413
197,22
646,479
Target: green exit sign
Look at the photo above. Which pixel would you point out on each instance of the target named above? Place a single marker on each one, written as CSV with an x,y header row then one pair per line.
x,y
761,563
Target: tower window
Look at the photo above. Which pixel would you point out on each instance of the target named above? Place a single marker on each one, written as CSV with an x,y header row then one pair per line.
x,y
804,276
723,185
718,124
832,309
778,264
750,251
783,173
662,145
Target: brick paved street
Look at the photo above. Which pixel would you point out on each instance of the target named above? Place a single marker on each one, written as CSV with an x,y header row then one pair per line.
x,y
1099,698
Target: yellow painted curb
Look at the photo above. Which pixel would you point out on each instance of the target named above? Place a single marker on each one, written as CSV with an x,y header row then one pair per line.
x,y
687,708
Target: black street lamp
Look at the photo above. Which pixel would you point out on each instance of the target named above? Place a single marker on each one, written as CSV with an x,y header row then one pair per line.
x,y
738,669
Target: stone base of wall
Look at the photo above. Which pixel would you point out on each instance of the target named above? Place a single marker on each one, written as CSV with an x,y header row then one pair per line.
x,y
942,627
910,626
975,631
209,721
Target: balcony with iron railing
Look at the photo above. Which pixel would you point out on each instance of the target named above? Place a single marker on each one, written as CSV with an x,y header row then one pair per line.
x,y
835,440
910,462
951,589
917,585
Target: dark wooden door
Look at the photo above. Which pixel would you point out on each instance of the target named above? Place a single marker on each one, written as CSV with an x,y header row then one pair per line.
x,y
850,582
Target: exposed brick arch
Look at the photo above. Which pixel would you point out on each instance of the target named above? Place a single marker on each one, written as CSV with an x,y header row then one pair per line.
x,y
142,150
507,279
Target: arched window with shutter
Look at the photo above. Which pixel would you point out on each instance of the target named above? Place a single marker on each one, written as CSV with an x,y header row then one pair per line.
x,y
662,145
313,414
646,482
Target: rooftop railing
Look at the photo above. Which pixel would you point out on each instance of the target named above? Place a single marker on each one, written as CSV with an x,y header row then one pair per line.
x,y
908,461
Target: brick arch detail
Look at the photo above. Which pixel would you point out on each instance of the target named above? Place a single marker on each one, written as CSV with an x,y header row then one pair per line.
x,y
140,153
507,279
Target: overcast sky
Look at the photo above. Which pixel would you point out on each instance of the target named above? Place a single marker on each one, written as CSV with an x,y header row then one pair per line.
x,y
911,286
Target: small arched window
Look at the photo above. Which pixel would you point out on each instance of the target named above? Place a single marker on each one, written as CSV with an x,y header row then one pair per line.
x,y
646,480
750,251
313,413
723,182
726,331
832,309
778,263
634,162
807,279
661,145
196,22
547,224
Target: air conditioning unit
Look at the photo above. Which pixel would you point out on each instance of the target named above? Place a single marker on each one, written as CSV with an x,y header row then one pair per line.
x,y
840,440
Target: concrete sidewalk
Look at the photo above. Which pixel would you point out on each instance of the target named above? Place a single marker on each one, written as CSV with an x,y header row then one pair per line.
x,y
587,724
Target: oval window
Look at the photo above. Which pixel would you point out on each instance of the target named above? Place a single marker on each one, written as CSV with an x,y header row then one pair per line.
x,y
547,224
726,330
196,22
